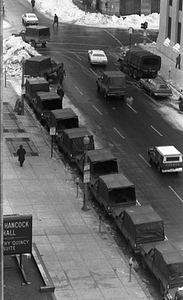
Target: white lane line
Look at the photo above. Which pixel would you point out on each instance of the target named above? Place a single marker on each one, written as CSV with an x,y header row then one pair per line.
x,y
97,109
77,56
78,90
156,130
118,132
93,72
144,160
132,108
114,37
138,202
175,193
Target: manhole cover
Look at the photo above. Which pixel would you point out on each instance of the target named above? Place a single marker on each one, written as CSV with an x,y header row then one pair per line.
x,y
14,143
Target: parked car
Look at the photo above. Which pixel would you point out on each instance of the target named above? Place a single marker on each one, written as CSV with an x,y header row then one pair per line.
x,y
29,19
97,57
156,87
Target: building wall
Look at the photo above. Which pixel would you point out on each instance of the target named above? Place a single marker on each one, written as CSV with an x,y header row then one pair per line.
x,y
128,7
171,19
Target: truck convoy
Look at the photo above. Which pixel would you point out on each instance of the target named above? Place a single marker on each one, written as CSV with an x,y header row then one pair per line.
x,y
140,64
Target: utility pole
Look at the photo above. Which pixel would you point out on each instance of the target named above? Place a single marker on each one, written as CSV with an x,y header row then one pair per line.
x,y
1,157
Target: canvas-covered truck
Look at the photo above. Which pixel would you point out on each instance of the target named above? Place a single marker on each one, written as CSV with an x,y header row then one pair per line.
x,y
34,85
71,142
139,225
165,260
35,35
44,103
101,162
167,158
140,63
113,191
112,84
61,119
42,66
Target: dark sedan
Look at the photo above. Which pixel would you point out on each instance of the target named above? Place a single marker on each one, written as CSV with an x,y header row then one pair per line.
x,y
156,87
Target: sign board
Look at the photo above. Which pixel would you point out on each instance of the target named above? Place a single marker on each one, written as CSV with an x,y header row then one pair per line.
x,y
17,234
86,167
145,33
130,30
52,130
86,177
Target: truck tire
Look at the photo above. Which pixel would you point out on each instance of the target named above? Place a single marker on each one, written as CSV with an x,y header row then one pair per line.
x,y
130,71
135,74
44,45
144,266
159,168
33,43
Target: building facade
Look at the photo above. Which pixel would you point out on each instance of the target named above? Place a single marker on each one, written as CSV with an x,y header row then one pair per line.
x,y
170,38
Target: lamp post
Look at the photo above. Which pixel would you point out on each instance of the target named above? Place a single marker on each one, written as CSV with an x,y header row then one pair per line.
x,y
86,174
130,30
22,85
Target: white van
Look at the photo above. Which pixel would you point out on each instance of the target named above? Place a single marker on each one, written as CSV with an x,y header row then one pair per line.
x,y
167,158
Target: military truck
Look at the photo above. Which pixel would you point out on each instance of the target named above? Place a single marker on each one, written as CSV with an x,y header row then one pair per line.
x,y
140,64
113,191
35,35
71,142
165,260
34,85
139,225
44,103
112,83
61,119
42,66
101,162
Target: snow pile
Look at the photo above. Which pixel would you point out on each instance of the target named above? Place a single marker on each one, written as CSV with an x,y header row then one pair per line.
x,y
14,49
70,13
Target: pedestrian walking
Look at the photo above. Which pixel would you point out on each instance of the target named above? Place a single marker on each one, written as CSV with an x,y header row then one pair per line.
x,y
55,20
21,155
33,4
60,74
178,60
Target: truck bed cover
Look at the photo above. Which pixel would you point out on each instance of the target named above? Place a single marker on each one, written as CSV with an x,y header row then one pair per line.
x,y
168,150
66,113
99,155
47,96
116,181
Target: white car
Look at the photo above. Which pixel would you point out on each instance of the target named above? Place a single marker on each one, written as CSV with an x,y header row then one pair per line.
x,y
29,19
97,57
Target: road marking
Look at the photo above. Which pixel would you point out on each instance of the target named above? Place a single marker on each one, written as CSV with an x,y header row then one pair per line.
x,y
113,37
97,110
132,108
118,132
138,202
77,56
78,90
175,193
93,72
156,130
144,160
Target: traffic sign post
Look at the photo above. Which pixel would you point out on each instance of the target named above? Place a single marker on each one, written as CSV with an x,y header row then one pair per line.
x,y
52,133
130,30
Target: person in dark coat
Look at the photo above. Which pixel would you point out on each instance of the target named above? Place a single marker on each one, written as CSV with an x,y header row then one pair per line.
x,y
178,60
21,155
55,20
33,4
60,74
60,92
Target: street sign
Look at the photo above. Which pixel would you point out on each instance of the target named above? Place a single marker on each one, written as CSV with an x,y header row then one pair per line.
x,y
86,177
130,30
52,130
86,167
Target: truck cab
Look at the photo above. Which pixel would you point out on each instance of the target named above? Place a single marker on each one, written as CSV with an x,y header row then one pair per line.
x,y
167,158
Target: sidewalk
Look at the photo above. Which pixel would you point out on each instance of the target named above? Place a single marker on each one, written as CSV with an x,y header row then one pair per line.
x,y
83,263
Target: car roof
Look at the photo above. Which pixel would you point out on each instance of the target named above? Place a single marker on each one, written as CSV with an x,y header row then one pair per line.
x,y
158,80
97,51
30,15
168,150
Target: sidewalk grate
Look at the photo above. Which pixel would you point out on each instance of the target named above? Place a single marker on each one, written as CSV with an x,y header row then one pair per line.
x,y
10,121
14,143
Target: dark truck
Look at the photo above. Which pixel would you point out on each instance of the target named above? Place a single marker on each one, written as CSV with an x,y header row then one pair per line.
x,y
113,191
42,66
165,260
101,162
34,85
140,64
61,119
112,83
139,225
35,35
71,142
44,103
